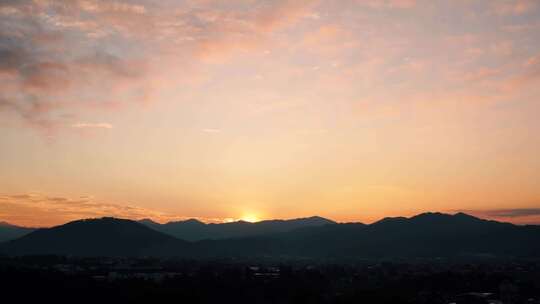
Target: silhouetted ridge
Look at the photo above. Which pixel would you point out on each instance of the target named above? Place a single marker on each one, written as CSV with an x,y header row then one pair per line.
x,y
386,220
425,235
193,222
97,237
466,216
147,221
10,232
195,230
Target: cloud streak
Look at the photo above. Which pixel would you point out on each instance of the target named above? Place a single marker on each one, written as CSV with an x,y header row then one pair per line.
x,y
391,4
513,212
40,210
515,215
58,58
211,130
102,125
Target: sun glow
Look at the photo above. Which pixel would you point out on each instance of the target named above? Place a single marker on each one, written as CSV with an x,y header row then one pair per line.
x,y
250,218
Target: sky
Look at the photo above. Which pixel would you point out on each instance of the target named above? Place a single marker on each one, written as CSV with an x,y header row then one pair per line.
x,y
220,110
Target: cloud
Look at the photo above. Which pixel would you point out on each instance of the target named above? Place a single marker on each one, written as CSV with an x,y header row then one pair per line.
x,y
515,215
101,125
392,4
528,76
40,210
58,58
516,7
50,65
211,130
513,212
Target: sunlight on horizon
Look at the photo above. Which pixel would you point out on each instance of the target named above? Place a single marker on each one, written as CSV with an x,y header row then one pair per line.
x,y
352,110
250,217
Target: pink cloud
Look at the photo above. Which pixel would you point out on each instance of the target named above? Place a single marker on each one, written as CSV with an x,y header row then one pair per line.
x,y
528,76
514,215
517,7
57,58
38,210
82,125
400,4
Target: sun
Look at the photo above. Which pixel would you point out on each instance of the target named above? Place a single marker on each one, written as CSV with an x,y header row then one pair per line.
x,y
250,218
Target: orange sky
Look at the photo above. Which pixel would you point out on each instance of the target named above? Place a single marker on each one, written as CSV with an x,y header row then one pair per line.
x,y
352,110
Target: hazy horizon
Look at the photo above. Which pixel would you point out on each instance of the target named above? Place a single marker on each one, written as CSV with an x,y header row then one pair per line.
x,y
352,110
476,214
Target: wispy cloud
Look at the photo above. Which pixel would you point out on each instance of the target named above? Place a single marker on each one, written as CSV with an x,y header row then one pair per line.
x,y
515,215
41,210
114,49
401,4
211,130
513,212
101,125
516,7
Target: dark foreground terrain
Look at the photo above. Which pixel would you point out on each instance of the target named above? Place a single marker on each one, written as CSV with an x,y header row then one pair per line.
x,y
51,279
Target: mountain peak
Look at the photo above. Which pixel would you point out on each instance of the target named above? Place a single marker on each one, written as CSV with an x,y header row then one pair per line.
x,y
6,224
438,216
9,225
396,219
465,216
102,223
193,221
321,219
10,232
432,215
96,237
105,219
148,221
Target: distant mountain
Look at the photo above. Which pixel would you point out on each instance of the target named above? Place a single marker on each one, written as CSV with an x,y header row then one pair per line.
x,y
194,230
97,237
426,235
11,232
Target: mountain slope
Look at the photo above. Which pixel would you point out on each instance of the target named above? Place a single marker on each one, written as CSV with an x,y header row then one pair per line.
x,y
97,237
194,230
425,235
11,232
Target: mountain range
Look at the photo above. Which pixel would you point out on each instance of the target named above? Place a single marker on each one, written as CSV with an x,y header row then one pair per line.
x,y
194,230
11,232
424,235
95,237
